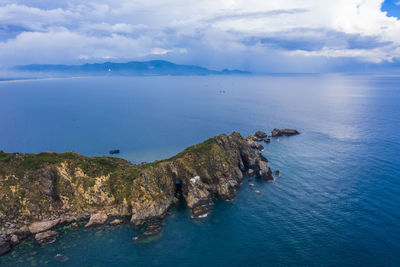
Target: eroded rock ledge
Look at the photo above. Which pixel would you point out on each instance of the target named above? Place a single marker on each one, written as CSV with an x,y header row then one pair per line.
x,y
41,191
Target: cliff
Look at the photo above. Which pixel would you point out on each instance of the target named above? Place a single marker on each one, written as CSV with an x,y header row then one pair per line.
x,y
41,191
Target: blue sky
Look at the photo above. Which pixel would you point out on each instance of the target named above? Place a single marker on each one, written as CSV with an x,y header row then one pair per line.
x,y
256,35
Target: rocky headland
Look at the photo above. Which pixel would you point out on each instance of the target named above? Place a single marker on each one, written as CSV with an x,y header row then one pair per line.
x,y
41,192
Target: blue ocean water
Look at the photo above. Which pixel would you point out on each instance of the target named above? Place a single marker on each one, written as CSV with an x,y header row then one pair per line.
x,y
336,203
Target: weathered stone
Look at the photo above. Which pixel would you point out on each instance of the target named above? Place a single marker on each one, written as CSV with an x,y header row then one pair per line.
x,y
46,237
254,138
115,222
277,173
4,247
42,226
263,170
260,134
200,212
284,132
97,219
75,225
267,140
14,240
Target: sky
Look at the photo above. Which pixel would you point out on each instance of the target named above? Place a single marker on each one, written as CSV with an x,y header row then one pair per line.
x,y
254,35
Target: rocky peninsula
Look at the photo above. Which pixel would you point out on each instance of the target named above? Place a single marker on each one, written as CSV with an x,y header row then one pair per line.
x,y
40,192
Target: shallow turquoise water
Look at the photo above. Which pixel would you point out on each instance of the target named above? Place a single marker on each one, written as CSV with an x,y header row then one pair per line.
x,y
337,202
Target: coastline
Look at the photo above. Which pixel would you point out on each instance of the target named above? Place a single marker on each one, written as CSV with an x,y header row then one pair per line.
x,y
42,192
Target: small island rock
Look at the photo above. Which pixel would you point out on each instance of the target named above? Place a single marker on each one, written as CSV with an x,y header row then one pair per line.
x,y
284,132
260,134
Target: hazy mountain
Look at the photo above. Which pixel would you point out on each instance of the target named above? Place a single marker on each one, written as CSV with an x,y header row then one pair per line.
x,y
154,67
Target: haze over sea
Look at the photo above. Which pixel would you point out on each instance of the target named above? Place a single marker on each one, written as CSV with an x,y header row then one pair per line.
x,y
336,203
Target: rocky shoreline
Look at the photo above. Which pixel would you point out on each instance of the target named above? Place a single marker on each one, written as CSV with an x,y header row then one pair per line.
x,y
42,192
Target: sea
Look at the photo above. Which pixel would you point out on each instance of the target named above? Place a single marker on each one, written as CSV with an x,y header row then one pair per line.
x,y
336,203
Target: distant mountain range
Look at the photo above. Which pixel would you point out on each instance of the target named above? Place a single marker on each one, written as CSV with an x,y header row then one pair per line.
x,y
133,68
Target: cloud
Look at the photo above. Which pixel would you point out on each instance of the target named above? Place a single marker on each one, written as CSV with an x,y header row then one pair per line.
x,y
217,33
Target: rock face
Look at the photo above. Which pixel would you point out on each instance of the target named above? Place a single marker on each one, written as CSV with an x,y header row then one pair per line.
x,y
42,226
97,219
49,189
260,134
284,132
46,237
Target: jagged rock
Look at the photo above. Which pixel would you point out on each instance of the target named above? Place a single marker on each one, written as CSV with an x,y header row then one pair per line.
x,y
200,212
75,225
97,219
255,145
263,170
4,247
254,138
284,132
115,222
42,226
250,173
267,140
46,237
260,134
14,240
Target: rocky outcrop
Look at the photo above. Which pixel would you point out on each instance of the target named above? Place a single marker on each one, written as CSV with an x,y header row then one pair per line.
x,y
97,219
284,132
42,226
44,191
260,134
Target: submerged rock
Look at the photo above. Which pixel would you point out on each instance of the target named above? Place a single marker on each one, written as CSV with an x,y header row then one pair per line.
x,y
284,132
97,219
153,229
267,140
61,258
46,237
260,134
277,173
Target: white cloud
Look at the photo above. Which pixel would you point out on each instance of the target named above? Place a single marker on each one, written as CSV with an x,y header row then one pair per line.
x,y
73,31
